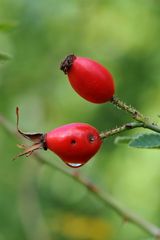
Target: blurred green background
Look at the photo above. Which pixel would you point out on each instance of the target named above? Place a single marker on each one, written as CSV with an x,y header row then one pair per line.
x,y
37,202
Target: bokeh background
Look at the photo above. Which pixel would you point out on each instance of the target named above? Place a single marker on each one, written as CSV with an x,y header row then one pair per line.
x,y
37,202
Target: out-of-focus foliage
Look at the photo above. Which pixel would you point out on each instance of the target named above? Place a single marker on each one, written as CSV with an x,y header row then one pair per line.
x,y
146,140
4,57
35,201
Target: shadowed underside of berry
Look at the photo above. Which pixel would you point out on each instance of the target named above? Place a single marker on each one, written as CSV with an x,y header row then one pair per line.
x,y
74,143
89,79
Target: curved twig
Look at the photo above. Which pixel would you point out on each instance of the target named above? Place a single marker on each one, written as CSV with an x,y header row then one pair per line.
x,y
105,197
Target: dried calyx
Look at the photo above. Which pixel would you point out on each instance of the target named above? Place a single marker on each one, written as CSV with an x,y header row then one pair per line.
x,y
67,63
37,138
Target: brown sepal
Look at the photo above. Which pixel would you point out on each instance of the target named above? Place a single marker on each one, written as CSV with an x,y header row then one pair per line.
x,y
28,150
36,138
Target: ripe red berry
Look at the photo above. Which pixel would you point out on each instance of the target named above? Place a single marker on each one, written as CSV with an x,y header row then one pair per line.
x,y
74,143
89,79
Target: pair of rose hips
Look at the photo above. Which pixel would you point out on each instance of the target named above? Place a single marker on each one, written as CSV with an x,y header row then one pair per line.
x,y
76,143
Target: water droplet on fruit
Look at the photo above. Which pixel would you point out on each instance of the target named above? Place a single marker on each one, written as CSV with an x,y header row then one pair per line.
x,y
74,165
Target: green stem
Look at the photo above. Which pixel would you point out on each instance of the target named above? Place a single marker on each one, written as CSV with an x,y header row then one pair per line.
x,y
152,126
125,127
135,114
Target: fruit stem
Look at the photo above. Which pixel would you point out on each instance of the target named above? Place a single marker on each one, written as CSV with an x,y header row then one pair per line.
x,y
120,129
123,106
139,117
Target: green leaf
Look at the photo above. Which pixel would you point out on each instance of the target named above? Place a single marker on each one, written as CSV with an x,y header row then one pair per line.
x,y
151,140
122,140
4,57
7,26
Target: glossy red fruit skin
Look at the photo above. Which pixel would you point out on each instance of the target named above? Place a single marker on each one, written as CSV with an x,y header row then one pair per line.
x,y
89,79
74,143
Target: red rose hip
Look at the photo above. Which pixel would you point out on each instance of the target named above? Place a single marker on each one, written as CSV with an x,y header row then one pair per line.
x,y
74,143
88,78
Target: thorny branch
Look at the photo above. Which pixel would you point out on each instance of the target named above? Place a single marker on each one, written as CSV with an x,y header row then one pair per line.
x,y
136,115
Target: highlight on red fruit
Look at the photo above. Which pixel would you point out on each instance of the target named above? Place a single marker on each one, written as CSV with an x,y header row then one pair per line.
x,y
74,143
89,79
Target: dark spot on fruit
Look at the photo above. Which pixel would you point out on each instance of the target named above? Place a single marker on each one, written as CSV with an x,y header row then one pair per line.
x,y
73,141
91,138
